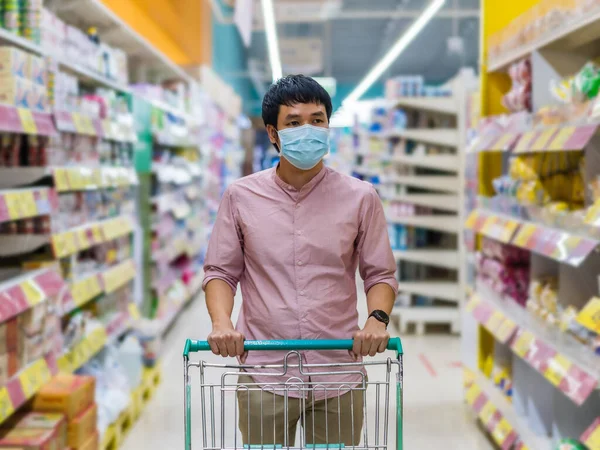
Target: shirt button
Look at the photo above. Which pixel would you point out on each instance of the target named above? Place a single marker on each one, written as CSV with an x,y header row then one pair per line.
x,y
299,233
302,292
297,205
299,263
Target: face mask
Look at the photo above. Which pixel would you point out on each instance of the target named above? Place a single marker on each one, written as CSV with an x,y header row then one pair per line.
x,y
304,146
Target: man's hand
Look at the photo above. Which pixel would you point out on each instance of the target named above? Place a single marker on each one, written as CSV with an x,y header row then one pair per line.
x,y
226,341
372,339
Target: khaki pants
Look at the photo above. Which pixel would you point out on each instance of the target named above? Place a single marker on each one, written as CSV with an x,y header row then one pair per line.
x,y
327,422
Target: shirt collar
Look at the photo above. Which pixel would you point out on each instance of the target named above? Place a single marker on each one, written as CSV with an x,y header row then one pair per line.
x,y
307,187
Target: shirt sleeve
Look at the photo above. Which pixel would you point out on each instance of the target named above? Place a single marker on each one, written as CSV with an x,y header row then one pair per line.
x,y
225,256
376,262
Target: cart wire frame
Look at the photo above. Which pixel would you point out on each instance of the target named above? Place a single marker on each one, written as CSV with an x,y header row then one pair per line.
x,y
293,347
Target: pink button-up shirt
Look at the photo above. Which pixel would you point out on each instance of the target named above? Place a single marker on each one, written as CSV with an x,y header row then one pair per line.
x,y
295,255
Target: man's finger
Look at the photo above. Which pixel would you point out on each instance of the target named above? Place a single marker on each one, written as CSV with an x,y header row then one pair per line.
x,y
230,344
222,347
213,346
383,345
373,348
244,357
366,344
356,346
239,345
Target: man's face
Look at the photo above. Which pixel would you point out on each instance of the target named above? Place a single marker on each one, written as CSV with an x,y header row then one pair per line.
x,y
297,116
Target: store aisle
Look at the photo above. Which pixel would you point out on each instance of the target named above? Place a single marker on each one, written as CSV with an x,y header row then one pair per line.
x,y
435,417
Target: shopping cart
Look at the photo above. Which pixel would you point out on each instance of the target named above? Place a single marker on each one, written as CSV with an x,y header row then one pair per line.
x,y
222,385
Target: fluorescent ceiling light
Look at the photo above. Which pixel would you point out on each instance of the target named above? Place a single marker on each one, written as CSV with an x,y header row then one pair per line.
x,y
395,51
272,42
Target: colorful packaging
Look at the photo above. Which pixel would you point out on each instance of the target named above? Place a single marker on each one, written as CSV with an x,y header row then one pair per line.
x,y
28,439
16,91
40,101
67,394
41,421
82,427
9,335
93,443
36,69
13,62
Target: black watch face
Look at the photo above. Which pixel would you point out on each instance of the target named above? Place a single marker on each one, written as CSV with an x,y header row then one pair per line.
x,y
381,316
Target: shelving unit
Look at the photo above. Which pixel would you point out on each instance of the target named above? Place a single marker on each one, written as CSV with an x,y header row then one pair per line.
x,y
535,330
79,223
418,171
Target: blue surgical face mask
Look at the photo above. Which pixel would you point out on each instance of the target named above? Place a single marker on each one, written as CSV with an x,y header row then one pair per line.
x,y
304,146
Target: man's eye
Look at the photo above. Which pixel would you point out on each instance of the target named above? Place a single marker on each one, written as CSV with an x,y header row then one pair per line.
x,y
318,121
295,123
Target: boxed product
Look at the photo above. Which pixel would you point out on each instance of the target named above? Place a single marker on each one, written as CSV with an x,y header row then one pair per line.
x,y
32,321
40,100
82,427
32,348
28,439
16,91
9,335
9,366
13,62
36,70
41,421
66,393
93,443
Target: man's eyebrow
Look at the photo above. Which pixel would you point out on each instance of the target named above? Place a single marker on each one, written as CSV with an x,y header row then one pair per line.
x,y
318,113
292,116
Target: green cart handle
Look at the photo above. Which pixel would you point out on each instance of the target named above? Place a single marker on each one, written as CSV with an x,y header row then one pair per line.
x,y
192,346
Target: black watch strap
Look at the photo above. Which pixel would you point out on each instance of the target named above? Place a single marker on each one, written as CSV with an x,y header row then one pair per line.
x,y
381,316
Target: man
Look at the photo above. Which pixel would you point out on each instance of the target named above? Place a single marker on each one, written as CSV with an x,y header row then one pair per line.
x,y
293,238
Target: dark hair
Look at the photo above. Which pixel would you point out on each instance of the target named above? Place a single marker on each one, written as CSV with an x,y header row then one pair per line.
x,y
291,90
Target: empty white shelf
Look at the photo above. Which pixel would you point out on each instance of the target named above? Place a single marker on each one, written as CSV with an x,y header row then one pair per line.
x,y
441,162
440,223
438,258
442,290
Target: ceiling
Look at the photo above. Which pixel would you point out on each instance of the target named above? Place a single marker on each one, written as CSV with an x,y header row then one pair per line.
x,y
349,36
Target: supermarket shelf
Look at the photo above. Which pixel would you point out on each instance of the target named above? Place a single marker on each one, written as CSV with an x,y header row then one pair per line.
x,y
443,290
85,74
16,204
448,224
24,385
445,202
569,365
438,258
569,36
8,38
422,315
434,182
83,351
445,105
82,291
447,137
68,242
441,162
171,250
26,121
24,291
69,178
88,76
566,247
488,402
88,13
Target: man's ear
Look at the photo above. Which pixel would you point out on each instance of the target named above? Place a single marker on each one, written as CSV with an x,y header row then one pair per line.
x,y
273,136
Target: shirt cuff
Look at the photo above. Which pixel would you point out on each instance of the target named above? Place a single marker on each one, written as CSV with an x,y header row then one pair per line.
x,y
213,275
390,281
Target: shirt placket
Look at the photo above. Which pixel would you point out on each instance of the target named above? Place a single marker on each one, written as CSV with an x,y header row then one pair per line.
x,y
301,262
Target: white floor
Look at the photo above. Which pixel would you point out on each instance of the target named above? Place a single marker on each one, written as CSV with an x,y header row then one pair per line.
x,y
435,417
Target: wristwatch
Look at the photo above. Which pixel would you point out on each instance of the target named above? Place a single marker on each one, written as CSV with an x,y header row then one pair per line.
x,y
381,316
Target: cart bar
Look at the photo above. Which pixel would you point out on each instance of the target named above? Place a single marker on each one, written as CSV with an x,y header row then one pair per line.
x,y
193,346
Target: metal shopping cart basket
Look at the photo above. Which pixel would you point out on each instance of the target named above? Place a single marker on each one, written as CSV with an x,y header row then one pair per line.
x,y
356,412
